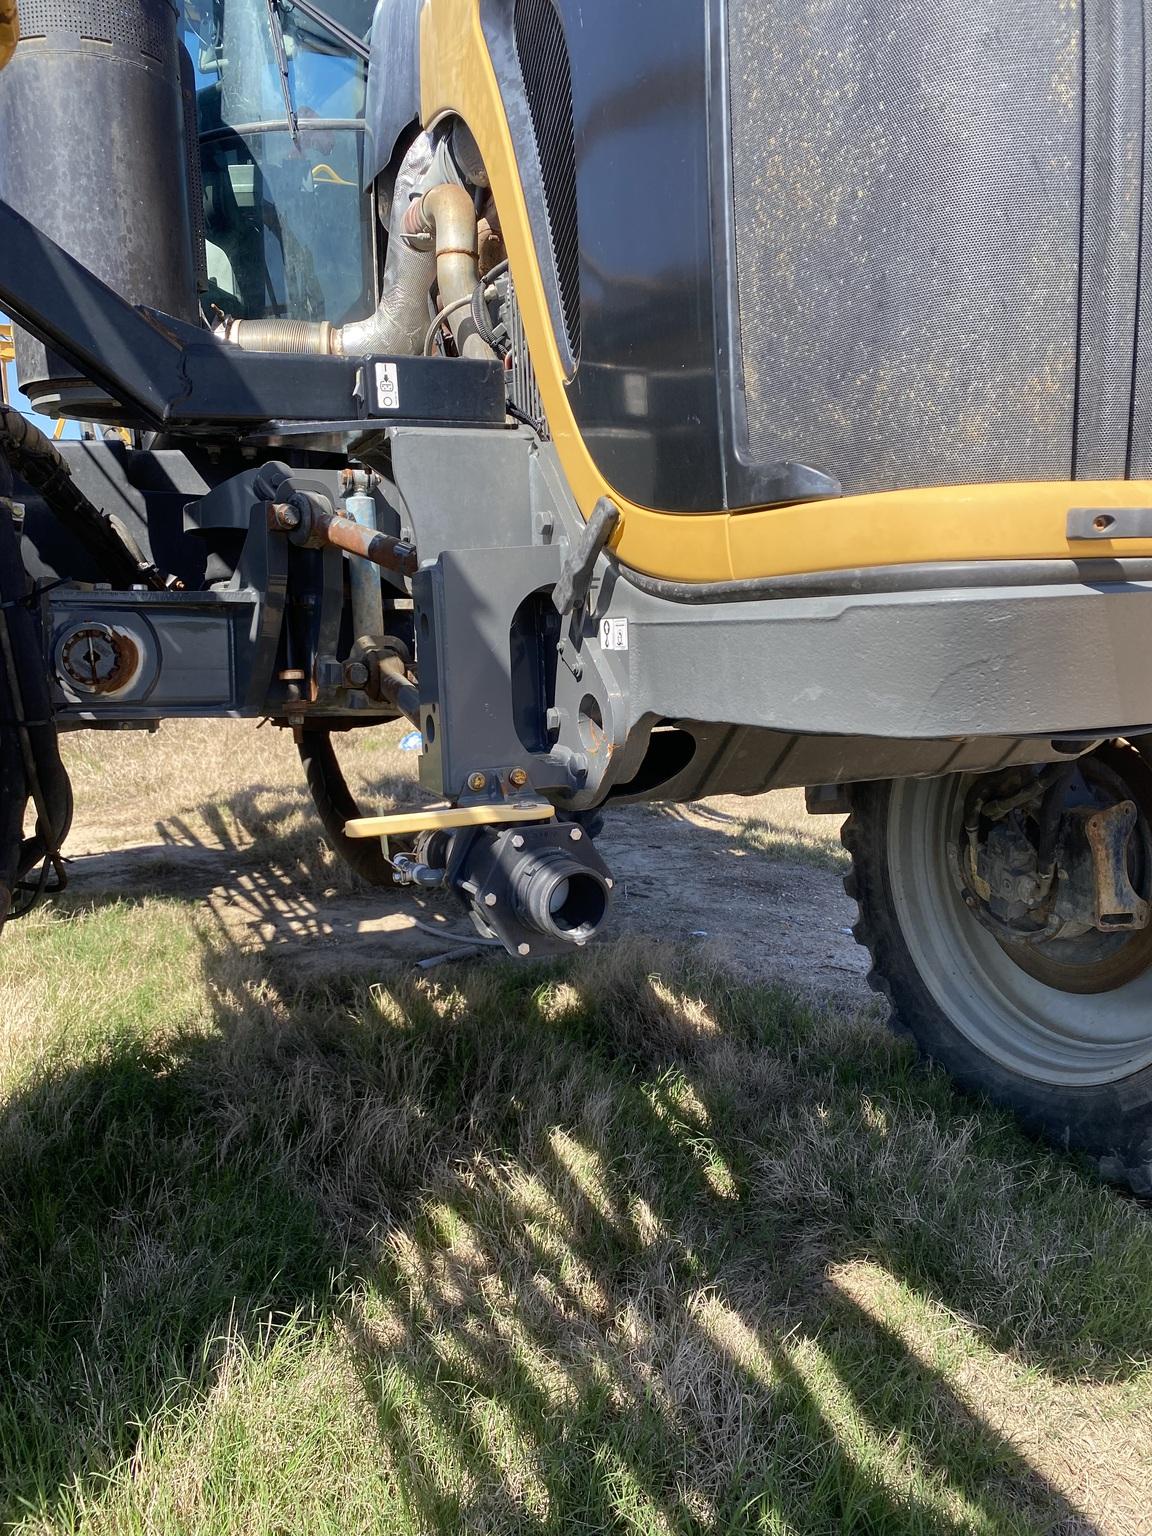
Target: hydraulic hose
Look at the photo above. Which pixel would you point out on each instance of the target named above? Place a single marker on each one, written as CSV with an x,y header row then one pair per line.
x,y
37,460
30,765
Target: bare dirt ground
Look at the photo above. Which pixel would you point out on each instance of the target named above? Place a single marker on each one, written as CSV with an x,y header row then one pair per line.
x,y
754,881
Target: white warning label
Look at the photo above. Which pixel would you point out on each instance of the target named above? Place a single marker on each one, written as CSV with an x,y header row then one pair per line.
x,y
387,387
614,634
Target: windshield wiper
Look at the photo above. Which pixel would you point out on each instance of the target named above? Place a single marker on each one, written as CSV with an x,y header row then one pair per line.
x,y
282,65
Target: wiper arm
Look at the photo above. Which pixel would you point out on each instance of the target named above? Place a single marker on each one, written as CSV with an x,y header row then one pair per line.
x,y
353,43
281,53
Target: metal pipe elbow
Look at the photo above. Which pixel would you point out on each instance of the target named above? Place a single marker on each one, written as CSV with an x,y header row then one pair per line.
x,y
446,215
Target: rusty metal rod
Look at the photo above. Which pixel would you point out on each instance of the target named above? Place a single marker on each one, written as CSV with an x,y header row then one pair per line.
x,y
319,528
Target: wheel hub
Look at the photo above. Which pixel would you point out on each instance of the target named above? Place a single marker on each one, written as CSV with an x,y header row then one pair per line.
x,y
1058,867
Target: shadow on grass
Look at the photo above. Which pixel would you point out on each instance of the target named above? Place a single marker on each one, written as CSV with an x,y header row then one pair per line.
x,y
763,834
579,1229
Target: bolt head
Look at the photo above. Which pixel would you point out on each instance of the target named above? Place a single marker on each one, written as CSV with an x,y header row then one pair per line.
x,y
355,674
517,841
519,777
477,782
575,834
609,882
490,899
523,949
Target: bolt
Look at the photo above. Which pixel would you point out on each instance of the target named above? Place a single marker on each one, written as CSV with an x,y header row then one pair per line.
x,y
355,674
517,841
553,719
575,834
477,782
490,899
518,777
609,882
523,949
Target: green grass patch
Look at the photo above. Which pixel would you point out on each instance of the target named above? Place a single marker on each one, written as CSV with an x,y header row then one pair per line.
x,y
613,1246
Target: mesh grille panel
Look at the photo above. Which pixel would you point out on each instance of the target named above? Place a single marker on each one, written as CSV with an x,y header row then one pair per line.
x,y
143,27
907,195
544,64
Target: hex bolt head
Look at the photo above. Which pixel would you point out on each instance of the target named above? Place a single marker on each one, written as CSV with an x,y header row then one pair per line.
x,y
523,949
554,719
477,782
355,674
490,899
575,834
517,841
518,777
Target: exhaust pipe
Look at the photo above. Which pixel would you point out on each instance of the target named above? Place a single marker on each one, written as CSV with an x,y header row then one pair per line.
x,y
432,237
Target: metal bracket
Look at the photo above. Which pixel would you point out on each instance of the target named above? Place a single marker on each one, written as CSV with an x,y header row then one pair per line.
x,y
1110,523
571,591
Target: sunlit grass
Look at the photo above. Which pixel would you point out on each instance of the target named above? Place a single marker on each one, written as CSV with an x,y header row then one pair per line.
x,y
614,1246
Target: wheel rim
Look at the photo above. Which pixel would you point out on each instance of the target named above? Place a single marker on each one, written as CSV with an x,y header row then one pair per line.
x,y
1049,1034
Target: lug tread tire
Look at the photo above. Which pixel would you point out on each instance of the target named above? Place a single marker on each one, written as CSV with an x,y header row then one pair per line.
x,y
335,804
1110,1123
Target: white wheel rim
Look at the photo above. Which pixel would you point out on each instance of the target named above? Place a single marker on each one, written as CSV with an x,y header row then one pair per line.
x,y
1037,1031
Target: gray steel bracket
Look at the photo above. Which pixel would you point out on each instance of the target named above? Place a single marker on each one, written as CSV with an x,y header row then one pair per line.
x,y
468,604
571,591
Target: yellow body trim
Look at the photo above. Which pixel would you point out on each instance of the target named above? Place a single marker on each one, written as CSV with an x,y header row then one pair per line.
x,y
9,30
984,522
445,818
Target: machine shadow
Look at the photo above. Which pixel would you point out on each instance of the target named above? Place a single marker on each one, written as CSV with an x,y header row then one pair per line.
x,y
603,1205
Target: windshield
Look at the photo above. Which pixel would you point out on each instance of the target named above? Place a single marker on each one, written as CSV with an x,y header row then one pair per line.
x,y
288,232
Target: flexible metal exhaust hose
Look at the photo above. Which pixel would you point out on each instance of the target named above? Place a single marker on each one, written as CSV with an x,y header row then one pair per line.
x,y
397,326
292,336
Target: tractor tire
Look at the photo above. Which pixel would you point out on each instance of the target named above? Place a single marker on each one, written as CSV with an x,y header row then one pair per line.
x,y
1072,1062
335,805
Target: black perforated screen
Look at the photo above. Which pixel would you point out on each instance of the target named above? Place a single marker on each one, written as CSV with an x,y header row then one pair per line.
x,y
547,72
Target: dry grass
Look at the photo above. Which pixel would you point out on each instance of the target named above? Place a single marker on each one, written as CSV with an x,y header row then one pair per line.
x,y
610,1246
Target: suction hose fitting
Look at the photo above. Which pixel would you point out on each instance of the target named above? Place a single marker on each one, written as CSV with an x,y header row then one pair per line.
x,y
560,897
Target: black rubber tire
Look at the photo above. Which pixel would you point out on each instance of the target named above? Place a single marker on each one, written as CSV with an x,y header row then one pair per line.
x,y
335,805
1111,1122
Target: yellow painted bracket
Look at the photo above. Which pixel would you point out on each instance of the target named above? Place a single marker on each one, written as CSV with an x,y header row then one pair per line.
x,y
446,818
9,30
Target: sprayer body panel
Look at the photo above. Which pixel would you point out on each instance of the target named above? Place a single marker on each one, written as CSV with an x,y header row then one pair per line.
x,y
790,318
